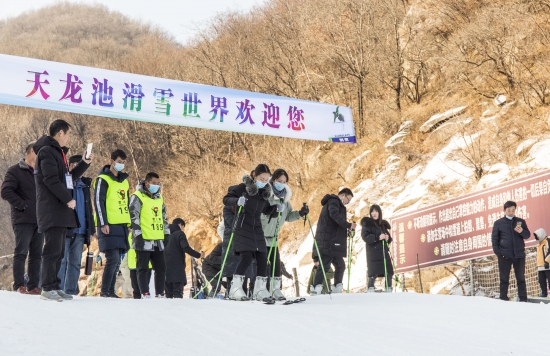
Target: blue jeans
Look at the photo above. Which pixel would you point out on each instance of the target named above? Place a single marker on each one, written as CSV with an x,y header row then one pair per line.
x,y
111,269
70,264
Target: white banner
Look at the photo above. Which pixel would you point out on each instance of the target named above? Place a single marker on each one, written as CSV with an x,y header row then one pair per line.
x,y
92,91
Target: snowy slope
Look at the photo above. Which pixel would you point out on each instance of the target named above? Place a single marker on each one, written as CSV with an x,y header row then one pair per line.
x,y
356,324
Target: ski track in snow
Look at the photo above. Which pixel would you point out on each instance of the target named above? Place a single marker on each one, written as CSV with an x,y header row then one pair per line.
x,y
357,324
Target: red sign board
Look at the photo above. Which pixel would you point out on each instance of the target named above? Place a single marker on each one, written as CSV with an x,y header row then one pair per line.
x,y
460,229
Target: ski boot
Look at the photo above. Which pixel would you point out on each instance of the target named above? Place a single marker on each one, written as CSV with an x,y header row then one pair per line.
x,y
276,293
371,290
236,292
260,292
315,291
337,288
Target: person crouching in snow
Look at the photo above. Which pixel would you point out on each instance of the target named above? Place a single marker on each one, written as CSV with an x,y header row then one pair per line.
x,y
374,231
174,256
543,261
248,239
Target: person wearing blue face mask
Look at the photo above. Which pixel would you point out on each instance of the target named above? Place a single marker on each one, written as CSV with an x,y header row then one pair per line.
x,y
150,230
281,212
111,198
248,240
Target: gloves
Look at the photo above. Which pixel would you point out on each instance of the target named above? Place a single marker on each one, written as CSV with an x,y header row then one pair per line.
x,y
98,258
280,208
304,211
241,201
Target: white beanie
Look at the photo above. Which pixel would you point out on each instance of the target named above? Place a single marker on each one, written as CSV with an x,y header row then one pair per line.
x,y
541,234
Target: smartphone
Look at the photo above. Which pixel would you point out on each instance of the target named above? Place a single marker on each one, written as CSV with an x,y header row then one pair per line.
x,y
518,224
89,150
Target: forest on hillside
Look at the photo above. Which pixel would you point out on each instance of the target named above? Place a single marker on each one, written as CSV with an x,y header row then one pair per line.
x,y
390,60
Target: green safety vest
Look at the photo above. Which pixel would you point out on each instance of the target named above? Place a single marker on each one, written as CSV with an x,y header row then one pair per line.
x,y
151,221
132,257
116,201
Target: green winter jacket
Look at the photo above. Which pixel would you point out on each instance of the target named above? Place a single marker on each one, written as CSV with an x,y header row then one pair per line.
x,y
270,226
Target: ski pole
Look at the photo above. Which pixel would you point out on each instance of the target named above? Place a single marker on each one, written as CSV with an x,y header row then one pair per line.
x,y
229,244
351,235
276,237
396,275
385,268
319,255
209,282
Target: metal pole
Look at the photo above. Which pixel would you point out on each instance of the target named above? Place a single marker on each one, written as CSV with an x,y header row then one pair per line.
x,y
296,282
419,275
471,278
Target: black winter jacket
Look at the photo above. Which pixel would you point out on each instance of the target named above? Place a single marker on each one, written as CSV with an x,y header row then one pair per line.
x,y
506,241
370,233
90,224
212,263
19,190
52,194
332,228
249,234
175,248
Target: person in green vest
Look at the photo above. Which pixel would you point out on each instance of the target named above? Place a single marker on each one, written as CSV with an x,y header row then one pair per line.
x,y
149,231
113,218
131,260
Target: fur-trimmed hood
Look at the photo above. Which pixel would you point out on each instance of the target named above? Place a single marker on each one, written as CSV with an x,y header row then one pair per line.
x,y
368,221
252,189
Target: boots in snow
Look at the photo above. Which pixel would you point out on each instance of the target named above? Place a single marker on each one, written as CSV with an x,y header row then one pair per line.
x,y
64,295
371,290
318,290
260,292
276,293
337,288
236,292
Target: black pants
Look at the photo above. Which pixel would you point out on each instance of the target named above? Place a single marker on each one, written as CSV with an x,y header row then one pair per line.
x,y
28,241
174,290
544,282
274,260
339,268
246,261
52,254
373,279
135,285
111,270
157,260
504,267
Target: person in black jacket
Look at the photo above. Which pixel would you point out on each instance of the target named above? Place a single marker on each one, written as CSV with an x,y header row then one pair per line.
x,y
508,239
19,190
331,237
248,241
54,202
374,231
211,266
76,238
174,257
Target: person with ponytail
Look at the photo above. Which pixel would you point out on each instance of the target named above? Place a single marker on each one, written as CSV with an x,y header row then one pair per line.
x,y
248,239
279,201
375,233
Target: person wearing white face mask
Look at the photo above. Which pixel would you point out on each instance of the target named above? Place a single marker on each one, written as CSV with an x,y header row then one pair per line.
x,y
111,198
150,230
508,240
281,212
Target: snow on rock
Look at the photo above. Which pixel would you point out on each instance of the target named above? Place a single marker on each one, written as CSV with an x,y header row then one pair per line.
x,y
538,155
524,145
438,119
496,174
404,130
356,324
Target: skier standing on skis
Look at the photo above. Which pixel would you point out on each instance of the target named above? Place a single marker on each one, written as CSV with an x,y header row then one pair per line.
x,y
272,224
375,233
331,237
248,239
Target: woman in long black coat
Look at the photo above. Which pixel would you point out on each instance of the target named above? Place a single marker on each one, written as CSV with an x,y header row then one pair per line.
x,y
375,233
248,239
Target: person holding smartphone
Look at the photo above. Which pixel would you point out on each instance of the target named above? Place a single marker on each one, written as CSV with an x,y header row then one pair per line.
x,y
508,239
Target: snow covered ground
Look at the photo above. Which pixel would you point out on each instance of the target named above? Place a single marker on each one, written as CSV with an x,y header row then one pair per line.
x,y
356,324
